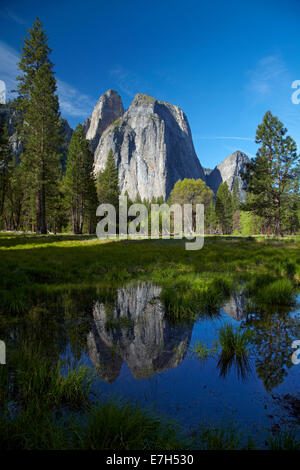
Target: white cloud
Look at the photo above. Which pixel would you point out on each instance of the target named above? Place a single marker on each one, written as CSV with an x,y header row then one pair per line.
x,y
72,101
269,72
8,66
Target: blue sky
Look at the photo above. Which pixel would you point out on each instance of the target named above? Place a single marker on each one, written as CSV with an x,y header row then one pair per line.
x,y
225,63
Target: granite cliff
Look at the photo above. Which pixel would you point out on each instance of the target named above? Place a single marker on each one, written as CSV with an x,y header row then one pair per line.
x,y
228,171
107,110
151,142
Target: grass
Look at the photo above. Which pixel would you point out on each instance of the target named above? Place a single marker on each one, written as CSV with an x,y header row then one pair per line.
x,y
203,352
234,341
218,438
191,295
107,426
115,426
192,281
38,382
280,292
46,406
284,440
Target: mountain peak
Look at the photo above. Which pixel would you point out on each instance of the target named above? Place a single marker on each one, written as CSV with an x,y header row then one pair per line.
x,y
229,170
108,108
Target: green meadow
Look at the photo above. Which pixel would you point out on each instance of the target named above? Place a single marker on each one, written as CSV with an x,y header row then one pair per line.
x,y
268,268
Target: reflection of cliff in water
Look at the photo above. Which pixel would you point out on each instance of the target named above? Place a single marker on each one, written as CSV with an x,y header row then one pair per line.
x,y
235,306
136,331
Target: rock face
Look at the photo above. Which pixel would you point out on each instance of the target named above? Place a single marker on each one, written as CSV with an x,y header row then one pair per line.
x,y
107,110
235,306
152,145
228,171
137,332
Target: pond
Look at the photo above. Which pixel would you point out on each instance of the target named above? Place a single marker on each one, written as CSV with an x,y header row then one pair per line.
x,y
139,354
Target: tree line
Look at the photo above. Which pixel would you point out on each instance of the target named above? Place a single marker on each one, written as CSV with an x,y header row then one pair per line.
x,y
40,192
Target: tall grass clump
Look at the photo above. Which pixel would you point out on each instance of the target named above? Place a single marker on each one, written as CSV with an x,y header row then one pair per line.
x,y
192,295
122,426
235,352
234,341
225,437
280,292
38,381
284,440
35,429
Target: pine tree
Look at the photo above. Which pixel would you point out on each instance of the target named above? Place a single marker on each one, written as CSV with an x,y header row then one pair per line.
x,y
224,209
14,200
5,163
210,220
236,202
108,183
236,195
41,135
79,183
271,174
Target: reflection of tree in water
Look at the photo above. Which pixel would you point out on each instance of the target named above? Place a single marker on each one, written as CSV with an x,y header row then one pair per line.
x,y
274,330
136,331
45,330
78,309
41,329
241,364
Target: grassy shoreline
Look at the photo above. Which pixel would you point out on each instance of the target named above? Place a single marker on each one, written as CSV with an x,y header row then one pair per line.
x,y
52,264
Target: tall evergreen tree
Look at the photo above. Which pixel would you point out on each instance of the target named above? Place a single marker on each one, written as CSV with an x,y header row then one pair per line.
x,y
236,196
38,103
79,183
236,202
271,174
108,183
5,163
210,220
14,200
224,209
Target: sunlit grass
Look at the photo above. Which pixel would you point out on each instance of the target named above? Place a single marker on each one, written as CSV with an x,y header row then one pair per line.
x,y
192,281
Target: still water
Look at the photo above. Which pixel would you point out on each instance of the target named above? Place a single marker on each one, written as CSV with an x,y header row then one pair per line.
x,y
138,354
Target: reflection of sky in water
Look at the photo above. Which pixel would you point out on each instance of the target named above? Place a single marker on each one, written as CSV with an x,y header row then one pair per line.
x,y
173,380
